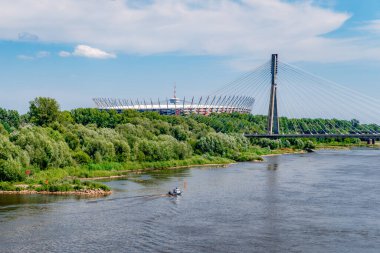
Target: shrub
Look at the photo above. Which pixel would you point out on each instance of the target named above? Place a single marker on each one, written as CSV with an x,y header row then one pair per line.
x,y
309,145
11,171
122,150
81,157
99,149
9,151
45,147
217,144
180,133
95,186
72,140
285,144
245,157
299,144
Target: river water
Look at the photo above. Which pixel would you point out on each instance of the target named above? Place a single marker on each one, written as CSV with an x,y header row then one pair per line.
x,y
328,201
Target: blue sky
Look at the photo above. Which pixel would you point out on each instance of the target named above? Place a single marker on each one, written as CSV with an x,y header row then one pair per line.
x,y
76,50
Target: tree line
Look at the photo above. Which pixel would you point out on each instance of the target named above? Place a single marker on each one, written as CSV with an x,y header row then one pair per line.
x,y
47,137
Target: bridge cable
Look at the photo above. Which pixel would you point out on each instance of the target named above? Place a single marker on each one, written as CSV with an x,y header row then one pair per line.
x,y
302,76
288,85
312,98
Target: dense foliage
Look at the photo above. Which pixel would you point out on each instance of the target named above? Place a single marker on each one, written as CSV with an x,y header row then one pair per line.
x,y
48,138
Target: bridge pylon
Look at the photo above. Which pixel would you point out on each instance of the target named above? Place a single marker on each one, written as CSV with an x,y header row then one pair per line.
x,y
273,122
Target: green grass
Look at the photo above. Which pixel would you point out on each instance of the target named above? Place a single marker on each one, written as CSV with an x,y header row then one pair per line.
x,y
7,186
67,179
111,168
341,144
71,185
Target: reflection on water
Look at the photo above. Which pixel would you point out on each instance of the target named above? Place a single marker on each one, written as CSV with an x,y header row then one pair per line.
x,y
272,164
321,202
270,224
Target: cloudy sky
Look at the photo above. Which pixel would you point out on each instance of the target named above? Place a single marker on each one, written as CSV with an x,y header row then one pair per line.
x,y
74,50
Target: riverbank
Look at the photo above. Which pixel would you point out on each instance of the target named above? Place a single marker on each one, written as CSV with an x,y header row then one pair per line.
x,y
79,180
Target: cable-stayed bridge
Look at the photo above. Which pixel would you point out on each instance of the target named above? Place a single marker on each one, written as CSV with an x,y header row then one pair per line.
x,y
299,104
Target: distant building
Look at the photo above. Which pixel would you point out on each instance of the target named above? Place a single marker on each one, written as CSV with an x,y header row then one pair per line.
x,y
176,106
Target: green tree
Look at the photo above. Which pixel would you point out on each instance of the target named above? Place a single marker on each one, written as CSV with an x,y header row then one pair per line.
x,y
45,147
43,111
10,119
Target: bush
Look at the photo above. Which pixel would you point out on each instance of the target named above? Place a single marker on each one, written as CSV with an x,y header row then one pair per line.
x,y
180,133
217,144
299,144
245,157
81,157
268,143
11,171
9,151
45,147
122,150
285,144
72,140
95,186
309,145
164,149
99,150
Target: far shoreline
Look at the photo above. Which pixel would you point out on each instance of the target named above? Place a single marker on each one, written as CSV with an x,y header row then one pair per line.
x,y
100,192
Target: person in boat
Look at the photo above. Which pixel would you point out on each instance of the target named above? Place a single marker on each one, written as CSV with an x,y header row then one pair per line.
x,y
176,191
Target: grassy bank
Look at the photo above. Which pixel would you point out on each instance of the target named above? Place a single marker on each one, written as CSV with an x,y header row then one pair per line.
x,y
78,179
344,145
74,180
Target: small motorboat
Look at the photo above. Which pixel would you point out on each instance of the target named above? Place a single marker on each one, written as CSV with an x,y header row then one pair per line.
x,y
176,192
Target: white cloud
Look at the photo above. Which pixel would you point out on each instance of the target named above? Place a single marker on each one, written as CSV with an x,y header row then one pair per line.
x,y
90,52
242,29
64,54
25,57
372,26
39,54
42,54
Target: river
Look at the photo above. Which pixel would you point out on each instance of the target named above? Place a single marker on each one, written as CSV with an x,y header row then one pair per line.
x,y
328,201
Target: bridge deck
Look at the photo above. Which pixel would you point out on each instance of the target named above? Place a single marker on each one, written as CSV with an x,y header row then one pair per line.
x,y
277,136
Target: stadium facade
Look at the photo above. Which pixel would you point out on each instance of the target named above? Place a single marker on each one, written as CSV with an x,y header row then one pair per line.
x,y
176,106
